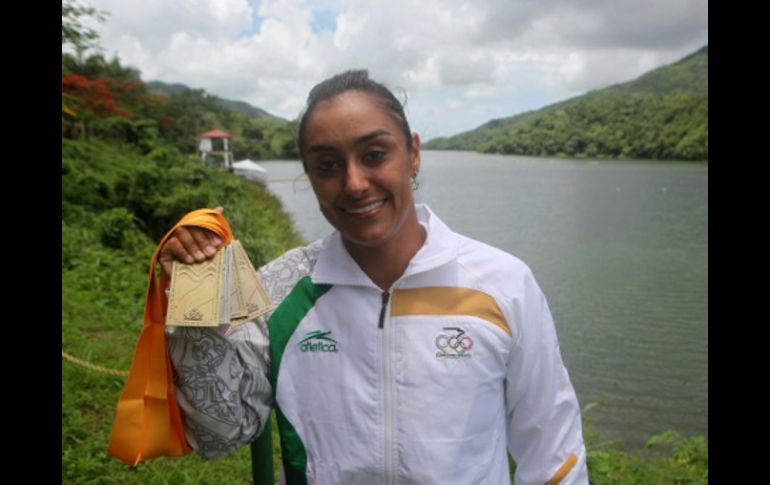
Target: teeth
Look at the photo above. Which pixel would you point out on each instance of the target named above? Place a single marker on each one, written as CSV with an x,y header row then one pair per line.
x,y
366,208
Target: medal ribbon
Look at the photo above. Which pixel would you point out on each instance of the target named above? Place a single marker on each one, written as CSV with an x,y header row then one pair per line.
x,y
147,421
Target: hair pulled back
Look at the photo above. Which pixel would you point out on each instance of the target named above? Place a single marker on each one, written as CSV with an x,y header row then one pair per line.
x,y
353,80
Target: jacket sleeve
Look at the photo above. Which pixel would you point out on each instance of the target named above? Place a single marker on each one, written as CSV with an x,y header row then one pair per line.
x,y
222,385
545,435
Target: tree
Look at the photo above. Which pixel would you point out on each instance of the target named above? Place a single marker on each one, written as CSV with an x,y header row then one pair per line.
x,y
73,32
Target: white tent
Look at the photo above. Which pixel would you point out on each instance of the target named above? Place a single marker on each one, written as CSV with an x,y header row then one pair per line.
x,y
250,170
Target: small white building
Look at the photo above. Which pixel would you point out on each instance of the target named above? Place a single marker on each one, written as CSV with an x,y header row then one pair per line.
x,y
214,148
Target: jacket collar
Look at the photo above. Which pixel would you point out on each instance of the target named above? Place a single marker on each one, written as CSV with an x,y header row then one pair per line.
x,y
335,265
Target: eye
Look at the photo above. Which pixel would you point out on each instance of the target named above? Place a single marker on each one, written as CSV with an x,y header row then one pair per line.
x,y
327,165
324,166
374,156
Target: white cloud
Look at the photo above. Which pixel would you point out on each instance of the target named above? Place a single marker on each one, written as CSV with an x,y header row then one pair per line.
x,y
153,22
489,57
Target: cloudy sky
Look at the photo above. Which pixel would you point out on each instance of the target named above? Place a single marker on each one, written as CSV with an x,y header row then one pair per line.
x,y
460,63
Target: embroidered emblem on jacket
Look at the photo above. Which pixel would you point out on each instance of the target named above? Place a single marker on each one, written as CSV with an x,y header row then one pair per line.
x,y
453,344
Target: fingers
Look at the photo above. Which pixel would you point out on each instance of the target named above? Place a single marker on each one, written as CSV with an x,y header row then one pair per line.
x,y
173,250
197,243
188,245
206,243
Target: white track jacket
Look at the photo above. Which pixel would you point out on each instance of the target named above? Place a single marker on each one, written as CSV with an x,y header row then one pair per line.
x,y
431,382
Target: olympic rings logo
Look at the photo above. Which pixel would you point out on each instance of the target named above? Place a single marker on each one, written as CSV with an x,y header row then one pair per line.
x,y
456,344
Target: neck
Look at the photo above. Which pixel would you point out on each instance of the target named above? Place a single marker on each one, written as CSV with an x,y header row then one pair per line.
x,y
385,263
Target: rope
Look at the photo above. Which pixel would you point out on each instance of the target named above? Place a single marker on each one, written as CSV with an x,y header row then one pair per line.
x,y
94,367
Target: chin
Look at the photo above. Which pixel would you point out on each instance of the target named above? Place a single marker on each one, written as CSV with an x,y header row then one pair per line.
x,y
365,240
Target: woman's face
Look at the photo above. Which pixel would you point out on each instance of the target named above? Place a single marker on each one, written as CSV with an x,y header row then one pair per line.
x,y
360,169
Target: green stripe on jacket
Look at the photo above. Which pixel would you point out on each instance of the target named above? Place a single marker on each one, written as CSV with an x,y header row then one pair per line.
x,y
281,326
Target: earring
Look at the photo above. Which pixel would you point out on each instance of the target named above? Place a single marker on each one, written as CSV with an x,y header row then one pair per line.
x,y
415,183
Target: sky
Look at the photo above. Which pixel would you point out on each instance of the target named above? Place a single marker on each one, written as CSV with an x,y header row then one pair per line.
x,y
458,63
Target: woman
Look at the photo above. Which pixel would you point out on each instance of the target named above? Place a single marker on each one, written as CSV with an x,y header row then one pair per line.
x,y
400,352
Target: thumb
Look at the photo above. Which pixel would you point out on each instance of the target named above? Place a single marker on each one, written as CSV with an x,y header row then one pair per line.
x,y
219,210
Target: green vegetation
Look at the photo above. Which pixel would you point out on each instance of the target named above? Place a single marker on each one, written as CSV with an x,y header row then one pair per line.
x,y
116,205
256,134
662,115
103,99
668,458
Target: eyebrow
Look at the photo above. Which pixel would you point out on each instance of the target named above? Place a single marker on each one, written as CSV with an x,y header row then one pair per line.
x,y
372,135
360,140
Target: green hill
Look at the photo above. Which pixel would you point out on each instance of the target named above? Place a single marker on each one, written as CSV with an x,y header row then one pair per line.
x,y
176,89
661,115
105,99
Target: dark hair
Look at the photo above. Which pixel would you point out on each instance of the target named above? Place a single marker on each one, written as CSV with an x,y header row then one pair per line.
x,y
354,80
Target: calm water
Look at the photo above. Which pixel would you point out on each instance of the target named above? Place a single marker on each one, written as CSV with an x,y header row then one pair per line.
x,y
621,252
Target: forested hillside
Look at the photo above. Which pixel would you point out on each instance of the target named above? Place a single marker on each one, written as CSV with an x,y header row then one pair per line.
x,y
662,115
103,99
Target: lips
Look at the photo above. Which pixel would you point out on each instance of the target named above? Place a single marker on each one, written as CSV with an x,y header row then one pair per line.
x,y
365,208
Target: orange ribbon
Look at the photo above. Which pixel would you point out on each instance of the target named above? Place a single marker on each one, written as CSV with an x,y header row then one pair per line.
x,y
147,421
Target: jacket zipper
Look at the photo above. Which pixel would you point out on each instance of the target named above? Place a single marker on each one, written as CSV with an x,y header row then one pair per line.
x,y
385,298
387,390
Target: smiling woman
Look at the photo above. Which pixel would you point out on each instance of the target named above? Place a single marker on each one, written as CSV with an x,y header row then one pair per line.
x,y
399,351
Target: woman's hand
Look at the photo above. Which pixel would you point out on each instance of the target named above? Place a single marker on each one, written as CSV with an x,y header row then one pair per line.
x,y
189,245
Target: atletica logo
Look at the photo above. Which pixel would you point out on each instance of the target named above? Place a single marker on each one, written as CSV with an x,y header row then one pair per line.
x,y
454,345
318,341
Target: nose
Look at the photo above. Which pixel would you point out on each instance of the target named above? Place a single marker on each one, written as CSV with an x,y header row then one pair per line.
x,y
356,179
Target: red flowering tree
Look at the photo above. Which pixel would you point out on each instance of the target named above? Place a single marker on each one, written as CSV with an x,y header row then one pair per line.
x,y
88,98
86,101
